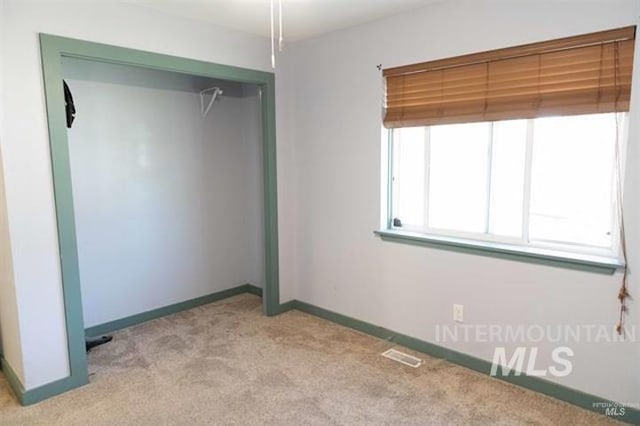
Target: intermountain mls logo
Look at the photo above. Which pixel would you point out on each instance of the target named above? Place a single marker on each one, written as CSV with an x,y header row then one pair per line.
x,y
536,350
521,356
562,364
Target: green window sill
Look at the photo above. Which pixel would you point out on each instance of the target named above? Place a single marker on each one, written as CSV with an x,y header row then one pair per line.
x,y
581,262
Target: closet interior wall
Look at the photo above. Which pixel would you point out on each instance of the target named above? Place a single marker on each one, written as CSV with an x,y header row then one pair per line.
x,y
168,204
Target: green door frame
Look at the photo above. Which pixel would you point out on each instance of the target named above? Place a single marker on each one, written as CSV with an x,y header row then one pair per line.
x,y
53,49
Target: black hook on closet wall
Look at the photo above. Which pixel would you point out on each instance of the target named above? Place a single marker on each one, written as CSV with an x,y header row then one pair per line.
x,y
69,106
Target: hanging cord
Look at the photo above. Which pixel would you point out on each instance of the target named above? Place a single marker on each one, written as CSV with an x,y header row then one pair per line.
x,y
623,293
280,33
273,43
273,31
485,106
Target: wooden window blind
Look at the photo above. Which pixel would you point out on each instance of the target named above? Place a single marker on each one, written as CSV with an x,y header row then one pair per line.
x,y
584,74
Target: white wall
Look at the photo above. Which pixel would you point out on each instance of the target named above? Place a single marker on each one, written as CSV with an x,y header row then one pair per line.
x,y
9,326
334,121
168,204
25,150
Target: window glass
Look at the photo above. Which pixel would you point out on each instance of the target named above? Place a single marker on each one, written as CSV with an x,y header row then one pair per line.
x,y
458,176
508,153
409,176
541,182
572,179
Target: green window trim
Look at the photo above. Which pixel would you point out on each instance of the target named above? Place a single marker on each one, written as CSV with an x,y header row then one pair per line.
x,y
581,262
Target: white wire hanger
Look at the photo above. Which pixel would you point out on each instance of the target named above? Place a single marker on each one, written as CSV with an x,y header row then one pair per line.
x,y
216,92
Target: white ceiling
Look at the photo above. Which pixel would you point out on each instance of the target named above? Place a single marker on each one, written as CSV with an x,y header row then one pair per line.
x,y
301,18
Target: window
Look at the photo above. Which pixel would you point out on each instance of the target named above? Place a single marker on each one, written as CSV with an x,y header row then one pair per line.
x,y
543,182
514,152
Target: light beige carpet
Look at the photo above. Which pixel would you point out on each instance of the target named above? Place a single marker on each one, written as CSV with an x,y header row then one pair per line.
x,y
225,363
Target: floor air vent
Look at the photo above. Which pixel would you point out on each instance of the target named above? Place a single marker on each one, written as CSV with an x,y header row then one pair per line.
x,y
406,359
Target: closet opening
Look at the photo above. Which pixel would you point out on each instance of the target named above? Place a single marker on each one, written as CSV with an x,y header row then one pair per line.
x,y
164,179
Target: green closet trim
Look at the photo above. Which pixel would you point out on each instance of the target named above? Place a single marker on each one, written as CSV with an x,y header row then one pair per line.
x,y
572,396
140,318
578,262
31,396
53,49
256,290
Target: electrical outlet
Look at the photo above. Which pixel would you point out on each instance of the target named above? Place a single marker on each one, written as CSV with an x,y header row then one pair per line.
x,y
458,313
